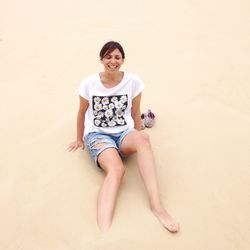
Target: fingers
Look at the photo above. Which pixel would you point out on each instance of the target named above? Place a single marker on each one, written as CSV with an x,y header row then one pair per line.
x,y
74,146
70,148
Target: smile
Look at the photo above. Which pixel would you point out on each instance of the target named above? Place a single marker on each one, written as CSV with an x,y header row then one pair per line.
x,y
112,66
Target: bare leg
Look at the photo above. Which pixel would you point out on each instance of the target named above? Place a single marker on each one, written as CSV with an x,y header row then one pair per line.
x,y
112,164
137,141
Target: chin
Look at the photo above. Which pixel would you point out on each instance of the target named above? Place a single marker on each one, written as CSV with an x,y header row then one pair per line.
x,y
113,70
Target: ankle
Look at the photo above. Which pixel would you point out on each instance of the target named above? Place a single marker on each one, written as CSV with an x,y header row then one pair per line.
x,y
157,208
104,226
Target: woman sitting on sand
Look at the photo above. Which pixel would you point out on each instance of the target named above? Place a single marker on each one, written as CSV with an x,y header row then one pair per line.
x,y
109,124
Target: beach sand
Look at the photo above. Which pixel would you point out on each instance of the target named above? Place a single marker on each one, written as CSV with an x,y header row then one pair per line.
x,y
194,57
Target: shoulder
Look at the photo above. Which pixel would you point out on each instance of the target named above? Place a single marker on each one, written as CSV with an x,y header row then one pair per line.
x,y
134,79
135,83
86,84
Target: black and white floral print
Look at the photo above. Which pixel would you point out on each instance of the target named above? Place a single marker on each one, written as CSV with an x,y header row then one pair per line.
x,y
109,110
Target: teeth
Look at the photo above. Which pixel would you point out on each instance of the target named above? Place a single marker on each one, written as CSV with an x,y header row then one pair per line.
x,y
113,67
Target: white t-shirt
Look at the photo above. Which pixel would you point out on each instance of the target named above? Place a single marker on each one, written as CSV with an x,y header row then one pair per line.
x,y
109,109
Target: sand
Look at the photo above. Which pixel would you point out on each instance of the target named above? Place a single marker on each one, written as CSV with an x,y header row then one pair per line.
x,y
194,57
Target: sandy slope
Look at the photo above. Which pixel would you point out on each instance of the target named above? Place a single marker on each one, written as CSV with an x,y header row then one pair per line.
x,y
194,58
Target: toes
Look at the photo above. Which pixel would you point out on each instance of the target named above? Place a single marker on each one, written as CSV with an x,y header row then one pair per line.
x,y
174,227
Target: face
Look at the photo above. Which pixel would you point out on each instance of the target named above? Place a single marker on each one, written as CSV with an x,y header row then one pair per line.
x,y
112,61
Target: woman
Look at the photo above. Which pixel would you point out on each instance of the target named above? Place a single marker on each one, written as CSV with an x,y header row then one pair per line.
x,y
109,124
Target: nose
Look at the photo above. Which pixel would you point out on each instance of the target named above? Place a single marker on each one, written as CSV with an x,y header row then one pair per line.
x,y
112,60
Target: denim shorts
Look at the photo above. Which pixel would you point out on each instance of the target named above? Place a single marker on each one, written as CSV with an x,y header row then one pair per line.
x,y
106,141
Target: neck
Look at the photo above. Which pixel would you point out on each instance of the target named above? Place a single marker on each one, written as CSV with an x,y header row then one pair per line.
x,y
112,75
111,78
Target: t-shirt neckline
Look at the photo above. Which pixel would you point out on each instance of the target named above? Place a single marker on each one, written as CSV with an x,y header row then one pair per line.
x,y
119,84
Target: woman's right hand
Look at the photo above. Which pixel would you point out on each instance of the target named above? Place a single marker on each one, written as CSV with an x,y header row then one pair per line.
x,y
75,145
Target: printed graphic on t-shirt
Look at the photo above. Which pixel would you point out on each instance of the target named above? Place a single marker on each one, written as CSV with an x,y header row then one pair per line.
x,y
109,110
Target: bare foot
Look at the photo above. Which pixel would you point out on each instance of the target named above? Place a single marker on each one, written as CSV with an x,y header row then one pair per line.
x,y
166,220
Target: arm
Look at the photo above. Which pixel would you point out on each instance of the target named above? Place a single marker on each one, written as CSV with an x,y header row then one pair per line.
x,y
81,117
80,125
136,112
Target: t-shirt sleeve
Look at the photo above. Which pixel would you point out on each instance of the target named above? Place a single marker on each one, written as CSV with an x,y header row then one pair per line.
x,y
138,86
83,89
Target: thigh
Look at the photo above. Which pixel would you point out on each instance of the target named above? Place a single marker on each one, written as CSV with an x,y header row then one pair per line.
x,y
98,143
131,142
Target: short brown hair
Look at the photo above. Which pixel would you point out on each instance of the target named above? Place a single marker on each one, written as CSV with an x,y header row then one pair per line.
x,y
109,47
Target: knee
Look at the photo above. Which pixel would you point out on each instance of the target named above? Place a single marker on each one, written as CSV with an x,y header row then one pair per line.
x,y
143,139
117,172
